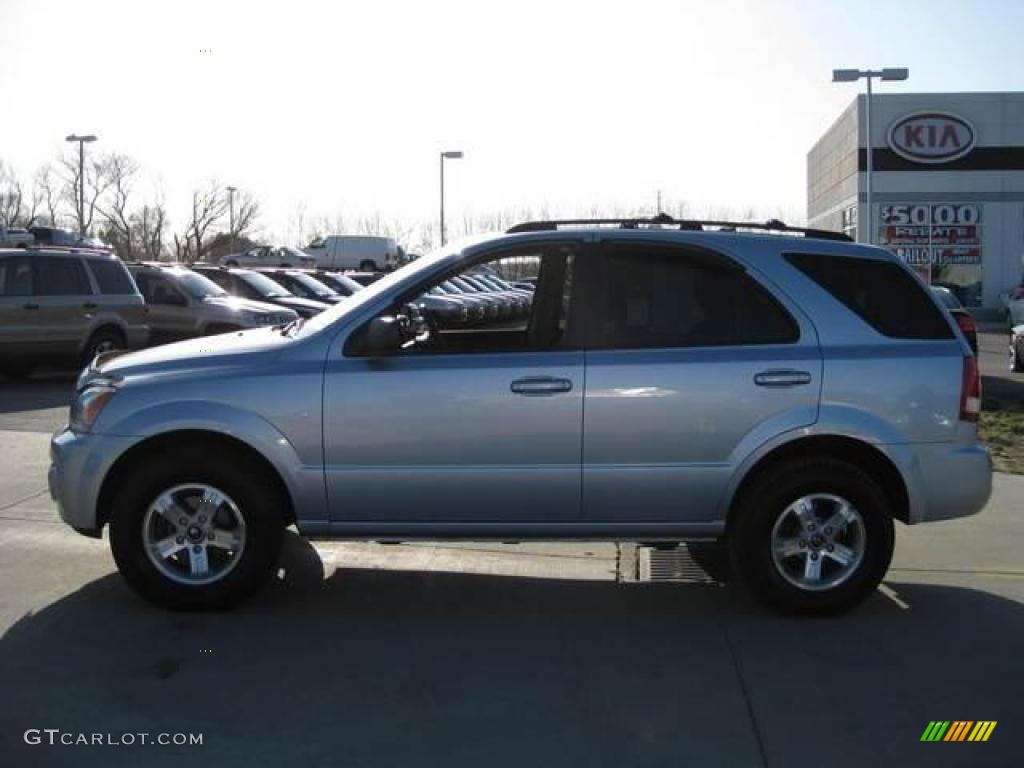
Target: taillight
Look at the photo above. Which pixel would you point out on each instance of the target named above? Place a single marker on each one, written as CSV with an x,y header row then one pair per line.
x,y
970,391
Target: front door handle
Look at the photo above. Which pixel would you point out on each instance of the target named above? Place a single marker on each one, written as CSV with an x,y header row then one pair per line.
x,y
90,305
541,385
782,378
30,305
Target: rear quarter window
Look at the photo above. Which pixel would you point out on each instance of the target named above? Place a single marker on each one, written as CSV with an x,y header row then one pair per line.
x,y
881,293
111,277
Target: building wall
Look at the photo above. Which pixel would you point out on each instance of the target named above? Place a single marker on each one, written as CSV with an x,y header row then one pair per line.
x,y
834,183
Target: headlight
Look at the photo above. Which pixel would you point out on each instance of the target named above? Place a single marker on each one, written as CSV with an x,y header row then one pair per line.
x,y
88,404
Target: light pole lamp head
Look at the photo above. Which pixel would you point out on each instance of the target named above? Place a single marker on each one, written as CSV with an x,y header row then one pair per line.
x,y
87,138
452,155
895,73
845,75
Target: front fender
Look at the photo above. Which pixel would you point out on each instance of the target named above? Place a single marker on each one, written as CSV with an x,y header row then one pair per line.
x,y
305,482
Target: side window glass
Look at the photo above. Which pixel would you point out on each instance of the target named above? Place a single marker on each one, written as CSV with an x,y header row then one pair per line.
x,y
16,277
516,301
59,276
656,297
111,277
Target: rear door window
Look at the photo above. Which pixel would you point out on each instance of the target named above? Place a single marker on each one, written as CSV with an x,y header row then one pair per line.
x,y
881,293
111,277
62,276
16,276
655,297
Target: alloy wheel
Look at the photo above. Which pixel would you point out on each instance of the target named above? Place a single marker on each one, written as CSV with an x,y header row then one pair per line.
x,y
818,542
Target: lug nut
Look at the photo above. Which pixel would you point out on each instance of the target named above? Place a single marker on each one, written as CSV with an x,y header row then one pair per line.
x,y
829,547
814,555
197,549
180,539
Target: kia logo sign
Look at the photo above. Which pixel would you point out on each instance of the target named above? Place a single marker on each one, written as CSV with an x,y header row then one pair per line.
x,y
931,137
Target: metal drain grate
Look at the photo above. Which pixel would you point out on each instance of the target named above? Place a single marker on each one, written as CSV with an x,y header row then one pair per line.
x,y
678,564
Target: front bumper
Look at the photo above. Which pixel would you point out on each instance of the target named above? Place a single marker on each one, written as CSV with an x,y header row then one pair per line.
x,y
78,464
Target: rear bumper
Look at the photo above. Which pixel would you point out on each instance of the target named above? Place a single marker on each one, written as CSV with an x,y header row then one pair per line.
x,y
947,480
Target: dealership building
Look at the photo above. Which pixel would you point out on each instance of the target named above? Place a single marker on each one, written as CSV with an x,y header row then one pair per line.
x,y
947,186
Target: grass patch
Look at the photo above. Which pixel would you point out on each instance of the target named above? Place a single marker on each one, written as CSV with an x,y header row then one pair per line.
x,y
1002,429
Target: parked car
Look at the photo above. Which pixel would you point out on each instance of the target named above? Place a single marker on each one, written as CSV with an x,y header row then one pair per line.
x,y
15,237
305,285
1013,301
363,278
1017,349
794,396
362,252
343,285
183,304
269,256
64,307
249,284
962,316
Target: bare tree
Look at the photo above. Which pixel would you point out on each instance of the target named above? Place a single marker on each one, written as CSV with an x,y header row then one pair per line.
x,y
10,197
209,207
149,222
49,187
97,182
119,231
246,213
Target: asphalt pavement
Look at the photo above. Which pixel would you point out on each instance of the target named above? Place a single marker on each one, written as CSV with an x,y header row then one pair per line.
x,y
496,655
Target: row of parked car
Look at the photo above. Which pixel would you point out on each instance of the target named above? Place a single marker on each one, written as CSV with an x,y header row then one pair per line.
x,y
66,305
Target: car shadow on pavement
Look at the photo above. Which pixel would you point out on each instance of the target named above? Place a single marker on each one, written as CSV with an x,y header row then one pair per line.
x,y
384,668
37,393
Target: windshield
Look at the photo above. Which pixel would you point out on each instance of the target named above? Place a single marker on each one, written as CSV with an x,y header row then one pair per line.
x,y
263,285
312,284
197,286
341,281
295,253
384,285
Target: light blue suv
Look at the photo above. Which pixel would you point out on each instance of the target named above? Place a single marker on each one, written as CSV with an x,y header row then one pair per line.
x,y
788,392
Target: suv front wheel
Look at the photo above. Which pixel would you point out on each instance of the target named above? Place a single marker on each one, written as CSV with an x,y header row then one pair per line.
x,y
812,536
196,531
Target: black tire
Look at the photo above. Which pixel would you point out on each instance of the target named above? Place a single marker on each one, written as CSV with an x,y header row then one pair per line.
x,y
231,263
1016,354
367,266
766,500
234,473
103,340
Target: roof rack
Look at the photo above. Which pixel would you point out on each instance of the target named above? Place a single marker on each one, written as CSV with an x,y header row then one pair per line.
x,y
61,248
696,225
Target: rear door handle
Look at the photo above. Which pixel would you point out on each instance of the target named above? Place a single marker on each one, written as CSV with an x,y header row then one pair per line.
x,y
90,305
782,378
541,385
30,305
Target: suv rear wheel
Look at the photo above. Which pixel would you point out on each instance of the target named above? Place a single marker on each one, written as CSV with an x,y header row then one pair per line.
x,y
197,530
812,536
367,266
1016,353
103,340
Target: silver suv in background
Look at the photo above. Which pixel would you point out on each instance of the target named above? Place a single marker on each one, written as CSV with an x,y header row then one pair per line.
x,y
791,394
63,307
183,304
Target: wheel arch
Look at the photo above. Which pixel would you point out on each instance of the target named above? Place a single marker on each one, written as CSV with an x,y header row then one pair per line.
x,y
183,440
858,452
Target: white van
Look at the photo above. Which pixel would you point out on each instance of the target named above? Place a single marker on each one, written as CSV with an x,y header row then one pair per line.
x,y
362,252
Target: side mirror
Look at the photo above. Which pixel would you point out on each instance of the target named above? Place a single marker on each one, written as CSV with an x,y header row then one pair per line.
x,y
382,336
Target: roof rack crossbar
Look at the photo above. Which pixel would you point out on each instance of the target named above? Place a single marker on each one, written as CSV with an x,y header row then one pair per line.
x,y
696,225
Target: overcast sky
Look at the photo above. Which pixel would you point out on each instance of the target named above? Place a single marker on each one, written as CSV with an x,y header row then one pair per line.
x,y
344,106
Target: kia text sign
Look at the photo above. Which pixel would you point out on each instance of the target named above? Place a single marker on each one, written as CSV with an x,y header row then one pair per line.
x,y
931,137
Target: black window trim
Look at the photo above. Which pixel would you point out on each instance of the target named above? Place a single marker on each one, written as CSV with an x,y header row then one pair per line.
x,y
693,252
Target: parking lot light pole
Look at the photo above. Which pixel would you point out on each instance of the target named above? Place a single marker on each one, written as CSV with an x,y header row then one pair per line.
x,y
446,156
850,76
82,141
231,214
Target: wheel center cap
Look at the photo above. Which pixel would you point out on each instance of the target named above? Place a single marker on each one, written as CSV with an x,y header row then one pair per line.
x,y
195,532
817,540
